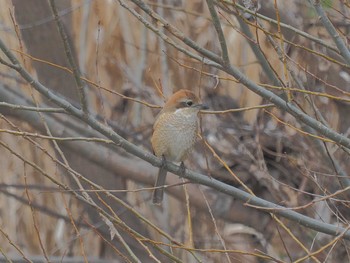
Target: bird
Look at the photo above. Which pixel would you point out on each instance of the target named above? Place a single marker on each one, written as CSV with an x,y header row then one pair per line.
x,y
174,134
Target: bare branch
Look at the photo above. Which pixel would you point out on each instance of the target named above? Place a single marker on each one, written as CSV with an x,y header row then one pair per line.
x,y
217,25
68,50
343,49
22,107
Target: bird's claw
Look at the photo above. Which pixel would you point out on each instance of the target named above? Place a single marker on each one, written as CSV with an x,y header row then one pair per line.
x,y
182,169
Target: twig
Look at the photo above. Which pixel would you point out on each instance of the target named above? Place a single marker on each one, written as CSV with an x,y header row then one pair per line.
x,y
265,64
335,240
166,38
264,106
177,33
28,108
34,216
117,251
68,51
78,235
344,51
35,135
213,250
43,209
218,28
303,47
8,260
289,27
14,245
282,52
167,89
114,232
222,241
89,81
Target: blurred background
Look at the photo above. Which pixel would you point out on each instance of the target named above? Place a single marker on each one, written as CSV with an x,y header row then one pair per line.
x,y
129,72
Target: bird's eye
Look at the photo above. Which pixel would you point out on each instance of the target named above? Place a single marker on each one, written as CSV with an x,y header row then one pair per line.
x,y
189,103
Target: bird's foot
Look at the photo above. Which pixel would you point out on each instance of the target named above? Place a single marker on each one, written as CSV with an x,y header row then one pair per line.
x,y
163,165
182,169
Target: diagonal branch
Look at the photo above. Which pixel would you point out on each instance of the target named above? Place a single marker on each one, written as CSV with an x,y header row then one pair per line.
x,y
167,39
272,75
177,33
344,51
285,26
218,28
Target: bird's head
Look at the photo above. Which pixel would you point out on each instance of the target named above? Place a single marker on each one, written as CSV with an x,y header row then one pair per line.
x,y
184,99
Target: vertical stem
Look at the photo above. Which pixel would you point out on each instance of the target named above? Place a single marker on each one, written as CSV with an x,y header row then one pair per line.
x,y
218,28
68,51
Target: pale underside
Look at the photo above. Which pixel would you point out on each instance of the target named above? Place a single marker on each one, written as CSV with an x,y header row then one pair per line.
x,y
175,134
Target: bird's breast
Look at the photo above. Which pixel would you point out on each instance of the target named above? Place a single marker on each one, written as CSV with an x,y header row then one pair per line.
x,y
175,134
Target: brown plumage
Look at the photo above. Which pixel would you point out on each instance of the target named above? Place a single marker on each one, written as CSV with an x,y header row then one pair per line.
x,y
175,132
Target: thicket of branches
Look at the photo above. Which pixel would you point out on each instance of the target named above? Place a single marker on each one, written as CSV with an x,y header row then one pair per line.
x,y
81,84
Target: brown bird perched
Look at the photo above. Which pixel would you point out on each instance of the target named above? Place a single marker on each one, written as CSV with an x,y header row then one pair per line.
x,y
174,133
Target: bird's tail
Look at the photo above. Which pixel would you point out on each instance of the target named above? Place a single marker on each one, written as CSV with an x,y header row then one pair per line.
x,y
159,191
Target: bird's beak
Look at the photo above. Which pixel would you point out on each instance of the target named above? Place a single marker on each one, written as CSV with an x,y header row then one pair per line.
x,y
202,106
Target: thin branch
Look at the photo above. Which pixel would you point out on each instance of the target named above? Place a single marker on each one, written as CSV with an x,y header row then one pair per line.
x,y
214,221
344,51
286,26
33,212
303,47
257,254
53,138
69,54
114,232
88,80
289,107
65,259
271,74
335,240
167,39
7,64
167,89
16,247
72,221
264,106
218,28
43,209
254,45
106,240
28,108
177,33
282,53
8,260
256,14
